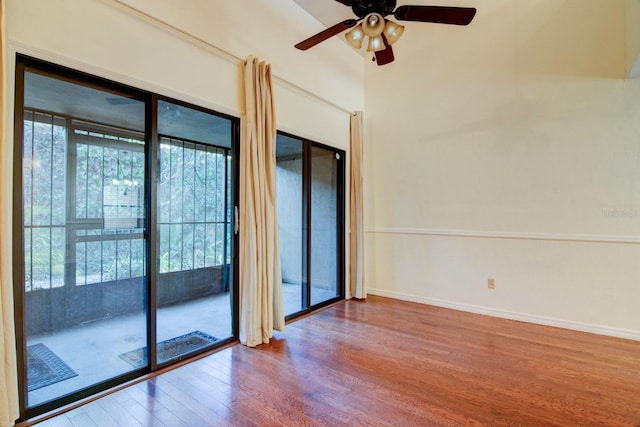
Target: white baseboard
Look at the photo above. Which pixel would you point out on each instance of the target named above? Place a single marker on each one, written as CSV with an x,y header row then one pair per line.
x,y
505,314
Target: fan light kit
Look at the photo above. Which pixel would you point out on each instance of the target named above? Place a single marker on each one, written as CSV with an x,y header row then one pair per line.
x,y
374,26
382,32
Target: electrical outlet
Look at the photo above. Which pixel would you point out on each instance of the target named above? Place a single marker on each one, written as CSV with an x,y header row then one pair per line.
x,y
491,283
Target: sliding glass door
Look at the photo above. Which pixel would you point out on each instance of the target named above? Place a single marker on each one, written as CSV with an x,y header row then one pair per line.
x,y
310,194
194,230
124,224
83,231
291,210
326,216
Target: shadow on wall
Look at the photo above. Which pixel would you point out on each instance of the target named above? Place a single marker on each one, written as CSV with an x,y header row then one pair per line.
x,y
573,41
579,38
526,63
632,27
572,37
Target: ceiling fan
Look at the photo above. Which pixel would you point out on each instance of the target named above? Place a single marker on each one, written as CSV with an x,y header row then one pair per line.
x,y
382,32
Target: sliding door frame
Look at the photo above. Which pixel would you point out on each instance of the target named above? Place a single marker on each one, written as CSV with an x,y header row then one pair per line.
x,y
307,147
24,63
340,222
233,188
151,193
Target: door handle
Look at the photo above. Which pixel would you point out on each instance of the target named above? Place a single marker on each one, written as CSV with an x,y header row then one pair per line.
x,y
236,220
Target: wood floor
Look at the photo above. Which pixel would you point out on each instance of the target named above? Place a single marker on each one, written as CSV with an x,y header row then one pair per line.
x,y
390,363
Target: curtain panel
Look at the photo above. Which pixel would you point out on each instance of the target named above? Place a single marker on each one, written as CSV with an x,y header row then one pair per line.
x,y
9,410
356,221
261,300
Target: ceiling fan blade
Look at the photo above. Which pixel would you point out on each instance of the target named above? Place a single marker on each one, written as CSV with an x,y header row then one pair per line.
x,y
346,2
323,35
385,56
437,14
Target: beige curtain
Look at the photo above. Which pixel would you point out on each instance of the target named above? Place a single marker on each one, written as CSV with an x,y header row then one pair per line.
x,y
356,223
261,301
8,370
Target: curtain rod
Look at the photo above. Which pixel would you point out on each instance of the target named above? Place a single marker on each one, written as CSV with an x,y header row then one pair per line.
x,y
221,52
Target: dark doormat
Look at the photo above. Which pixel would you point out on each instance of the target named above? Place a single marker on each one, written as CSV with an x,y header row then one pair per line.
x,y
171,348
45,368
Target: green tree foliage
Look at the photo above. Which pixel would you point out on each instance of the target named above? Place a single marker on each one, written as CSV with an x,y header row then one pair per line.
x,y
109,176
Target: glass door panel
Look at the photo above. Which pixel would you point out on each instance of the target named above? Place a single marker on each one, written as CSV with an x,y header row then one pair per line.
x,y
309,181
291,211
89,301
194,231
325,208
83,228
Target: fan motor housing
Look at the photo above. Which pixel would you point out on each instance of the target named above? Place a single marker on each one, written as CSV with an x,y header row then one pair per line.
x,y
362,8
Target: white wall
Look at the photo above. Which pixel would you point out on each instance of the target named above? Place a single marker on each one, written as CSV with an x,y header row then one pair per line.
x,y
509,149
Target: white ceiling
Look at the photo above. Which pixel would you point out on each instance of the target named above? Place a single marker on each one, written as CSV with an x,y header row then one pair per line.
x,y
328,12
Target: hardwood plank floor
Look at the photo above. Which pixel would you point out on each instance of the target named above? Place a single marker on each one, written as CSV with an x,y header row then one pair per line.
x,y
391,363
